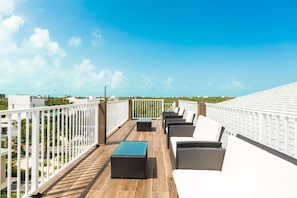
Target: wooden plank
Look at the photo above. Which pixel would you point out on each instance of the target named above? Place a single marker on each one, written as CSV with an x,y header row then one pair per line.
x,y
159,181
125,194
128,185
171,187
139,191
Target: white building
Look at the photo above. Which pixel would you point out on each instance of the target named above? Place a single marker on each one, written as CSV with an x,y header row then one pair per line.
x,y
17,102
24,102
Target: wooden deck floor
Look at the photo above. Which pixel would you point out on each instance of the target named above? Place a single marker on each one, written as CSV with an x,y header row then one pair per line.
x,y
91,177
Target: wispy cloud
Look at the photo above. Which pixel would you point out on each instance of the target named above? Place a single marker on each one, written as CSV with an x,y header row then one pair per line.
x,y
41,40
97,37
74,41
234,84
9,26
146,81
6,7
168,82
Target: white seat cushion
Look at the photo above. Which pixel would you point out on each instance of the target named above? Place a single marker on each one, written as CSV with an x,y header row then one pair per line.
x,y
203,184
174,140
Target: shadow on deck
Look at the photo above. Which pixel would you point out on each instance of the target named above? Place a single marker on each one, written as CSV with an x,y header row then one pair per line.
x,y
91,176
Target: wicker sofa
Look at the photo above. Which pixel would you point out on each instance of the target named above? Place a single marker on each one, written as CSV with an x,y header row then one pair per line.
x,y
248,169
184,141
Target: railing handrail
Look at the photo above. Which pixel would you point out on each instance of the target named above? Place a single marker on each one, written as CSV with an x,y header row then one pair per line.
x,y
256,110
33,109
117,101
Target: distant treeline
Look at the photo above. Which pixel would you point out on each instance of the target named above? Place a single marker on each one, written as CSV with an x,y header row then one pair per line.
x,y
48,102
209,99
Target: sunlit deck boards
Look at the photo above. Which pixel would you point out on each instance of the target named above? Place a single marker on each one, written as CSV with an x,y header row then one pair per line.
x,y
91,177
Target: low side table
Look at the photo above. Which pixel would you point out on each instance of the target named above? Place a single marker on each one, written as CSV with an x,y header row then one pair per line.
x,y
144,124
129,160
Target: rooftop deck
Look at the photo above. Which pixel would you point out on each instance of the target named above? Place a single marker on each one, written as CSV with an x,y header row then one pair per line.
x,y
91,176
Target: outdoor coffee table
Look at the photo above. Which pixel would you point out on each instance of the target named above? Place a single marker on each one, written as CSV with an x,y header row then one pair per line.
x,y
129,160
144,124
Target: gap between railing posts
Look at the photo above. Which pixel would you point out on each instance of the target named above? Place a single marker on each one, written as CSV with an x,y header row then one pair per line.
x,y
147,108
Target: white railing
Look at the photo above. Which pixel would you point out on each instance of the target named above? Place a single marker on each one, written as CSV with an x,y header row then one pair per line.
x,y
274,129
147,108
117,114
41,142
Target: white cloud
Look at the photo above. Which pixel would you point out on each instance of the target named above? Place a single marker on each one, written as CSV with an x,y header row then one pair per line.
x,y
168,82
112,79
116,79
235,84
12,23
97,37
6,7
8,27
86,75
41,40
31,62
146,82
74,41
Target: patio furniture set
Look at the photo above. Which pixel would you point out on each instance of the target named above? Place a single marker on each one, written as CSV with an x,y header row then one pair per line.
x,y
202,168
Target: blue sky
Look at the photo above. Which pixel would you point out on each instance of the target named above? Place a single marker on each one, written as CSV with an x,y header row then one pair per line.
x,y
146,48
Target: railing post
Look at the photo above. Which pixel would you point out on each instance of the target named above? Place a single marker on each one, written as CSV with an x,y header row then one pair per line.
x,y
201,109
176,103
9,157
130,109
35,152
97,124
102,123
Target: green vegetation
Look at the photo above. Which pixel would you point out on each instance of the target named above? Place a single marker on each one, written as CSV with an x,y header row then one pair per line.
x,y
51,101
3,104
56,101
206,99
210,99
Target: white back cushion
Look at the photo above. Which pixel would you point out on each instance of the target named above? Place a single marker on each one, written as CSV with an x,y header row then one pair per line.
x,y
242,163
207,129
175,110
190,116
277,178
181,111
